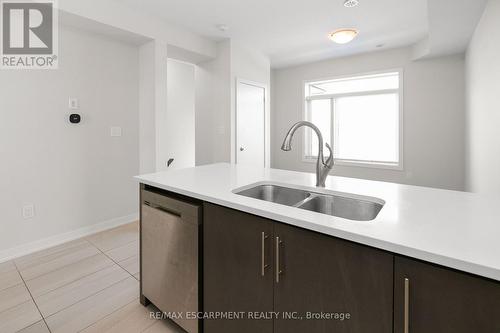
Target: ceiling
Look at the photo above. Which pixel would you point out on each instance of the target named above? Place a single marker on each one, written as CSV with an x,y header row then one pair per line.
x,y
71,20
292,32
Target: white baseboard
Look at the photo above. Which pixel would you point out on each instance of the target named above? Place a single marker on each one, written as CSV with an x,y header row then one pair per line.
x,y
22,250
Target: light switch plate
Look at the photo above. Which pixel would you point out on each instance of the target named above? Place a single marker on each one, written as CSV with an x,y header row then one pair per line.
x,y
74,103
221,130
28,211
115,131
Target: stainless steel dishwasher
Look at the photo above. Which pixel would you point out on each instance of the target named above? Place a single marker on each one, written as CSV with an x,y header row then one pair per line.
x,y
170,230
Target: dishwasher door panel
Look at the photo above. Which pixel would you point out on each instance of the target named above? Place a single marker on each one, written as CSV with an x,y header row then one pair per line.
x,y
169,258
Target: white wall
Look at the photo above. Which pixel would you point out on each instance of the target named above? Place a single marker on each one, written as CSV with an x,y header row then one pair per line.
x,y
216,98
433,116
118,15
113,18
76,175
160,103
213,107
251,65
483,104
147,107
204,99
180,123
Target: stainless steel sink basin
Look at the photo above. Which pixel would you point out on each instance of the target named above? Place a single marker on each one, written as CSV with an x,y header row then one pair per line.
x,y
278,194
347,206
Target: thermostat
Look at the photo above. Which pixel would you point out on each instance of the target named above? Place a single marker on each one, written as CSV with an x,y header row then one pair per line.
x,y
74,118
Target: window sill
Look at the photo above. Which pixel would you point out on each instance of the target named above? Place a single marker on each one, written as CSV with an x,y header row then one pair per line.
x,y
372,165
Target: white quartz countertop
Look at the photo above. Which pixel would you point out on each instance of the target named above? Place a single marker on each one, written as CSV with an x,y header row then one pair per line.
x,y
450,228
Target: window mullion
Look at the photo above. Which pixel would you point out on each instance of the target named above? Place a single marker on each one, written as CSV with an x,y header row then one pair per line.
x,y
354,94
332,131
307,134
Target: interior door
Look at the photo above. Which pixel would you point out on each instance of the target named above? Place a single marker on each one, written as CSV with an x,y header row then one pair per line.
x,y
250,124
178,128
327,276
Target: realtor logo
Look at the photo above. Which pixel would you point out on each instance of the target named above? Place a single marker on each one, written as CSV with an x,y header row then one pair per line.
x,y
29,34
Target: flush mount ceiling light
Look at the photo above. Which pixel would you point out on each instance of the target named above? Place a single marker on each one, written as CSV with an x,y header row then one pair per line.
x,y
343,36
351,3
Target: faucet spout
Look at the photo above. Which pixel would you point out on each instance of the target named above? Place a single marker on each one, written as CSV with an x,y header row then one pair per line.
x,y
286,146
322,167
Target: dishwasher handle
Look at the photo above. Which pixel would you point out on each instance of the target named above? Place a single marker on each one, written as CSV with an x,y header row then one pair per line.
x,y
188,211
163,209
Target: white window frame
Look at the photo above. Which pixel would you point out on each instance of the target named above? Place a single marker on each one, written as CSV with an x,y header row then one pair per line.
x,y
355,163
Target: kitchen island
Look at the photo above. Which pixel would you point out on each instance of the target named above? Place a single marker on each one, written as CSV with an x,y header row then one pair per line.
x,y
428,262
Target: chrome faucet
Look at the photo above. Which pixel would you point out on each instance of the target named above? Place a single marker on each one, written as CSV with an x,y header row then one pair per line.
x,y
322,168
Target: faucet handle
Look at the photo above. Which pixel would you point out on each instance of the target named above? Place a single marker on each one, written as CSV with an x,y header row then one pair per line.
x,y
329,161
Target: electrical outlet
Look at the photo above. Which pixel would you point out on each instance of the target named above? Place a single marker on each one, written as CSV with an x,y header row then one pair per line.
x,y
115,131
29,211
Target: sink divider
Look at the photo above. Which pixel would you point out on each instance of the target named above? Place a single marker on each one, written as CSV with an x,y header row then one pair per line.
x,y
306,200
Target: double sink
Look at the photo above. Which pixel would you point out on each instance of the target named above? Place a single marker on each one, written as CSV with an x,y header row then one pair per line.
x,y
339,205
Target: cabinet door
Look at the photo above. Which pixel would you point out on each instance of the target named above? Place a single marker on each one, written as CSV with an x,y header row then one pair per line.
x,y
322,274
440,300
234,279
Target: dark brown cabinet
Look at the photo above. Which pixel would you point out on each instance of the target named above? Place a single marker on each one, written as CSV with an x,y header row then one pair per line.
x,y
432,299
322,274
292,280
254,264
235,247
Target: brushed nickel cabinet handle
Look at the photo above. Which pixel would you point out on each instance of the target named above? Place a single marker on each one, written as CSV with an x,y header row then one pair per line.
x,y
263,253
278,269
407,306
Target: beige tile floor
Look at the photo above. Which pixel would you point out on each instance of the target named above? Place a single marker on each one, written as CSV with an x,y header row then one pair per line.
x,y
87,285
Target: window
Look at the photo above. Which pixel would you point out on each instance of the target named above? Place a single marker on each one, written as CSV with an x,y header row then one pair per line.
x,y
359,117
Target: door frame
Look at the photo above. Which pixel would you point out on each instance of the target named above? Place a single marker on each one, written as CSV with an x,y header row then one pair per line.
x,y
267,121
